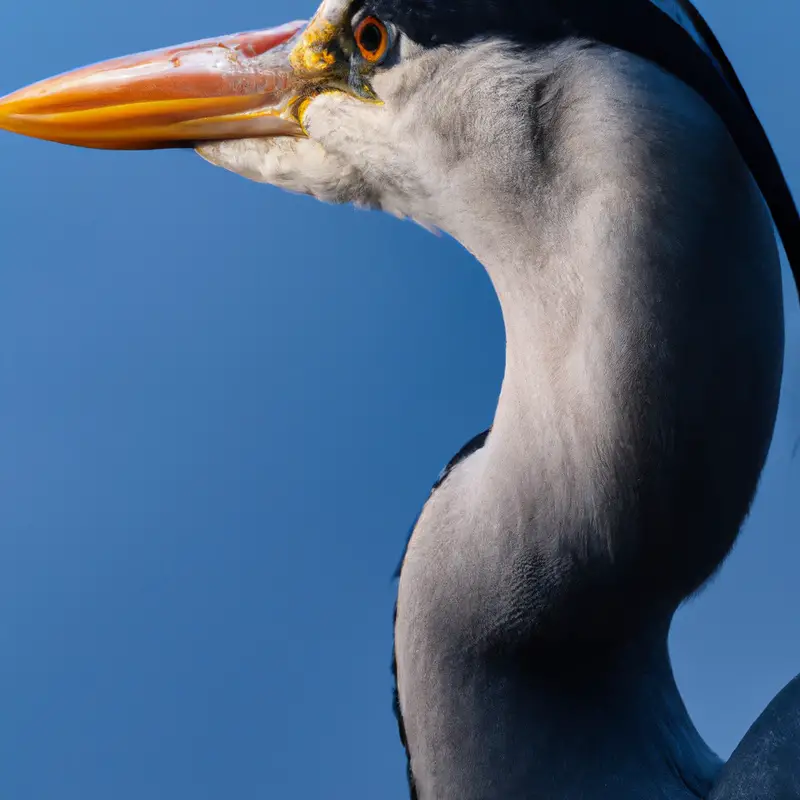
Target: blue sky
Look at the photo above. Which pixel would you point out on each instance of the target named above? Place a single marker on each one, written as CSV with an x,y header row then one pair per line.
x,y
214,435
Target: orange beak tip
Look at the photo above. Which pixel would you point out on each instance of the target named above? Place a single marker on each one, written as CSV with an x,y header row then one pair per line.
x,y
230,87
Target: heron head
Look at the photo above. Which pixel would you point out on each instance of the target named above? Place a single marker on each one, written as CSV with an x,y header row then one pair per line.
x,y
348,107
428,109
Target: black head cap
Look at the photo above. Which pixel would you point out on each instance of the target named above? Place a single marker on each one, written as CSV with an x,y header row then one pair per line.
x,y
671,33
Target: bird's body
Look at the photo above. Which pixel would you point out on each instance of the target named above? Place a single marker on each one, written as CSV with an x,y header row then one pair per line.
x,y
604,165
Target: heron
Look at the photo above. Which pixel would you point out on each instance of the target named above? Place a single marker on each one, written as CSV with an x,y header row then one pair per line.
x,y
604,164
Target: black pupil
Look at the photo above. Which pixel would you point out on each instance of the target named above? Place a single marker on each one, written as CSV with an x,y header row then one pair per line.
x,y
370,37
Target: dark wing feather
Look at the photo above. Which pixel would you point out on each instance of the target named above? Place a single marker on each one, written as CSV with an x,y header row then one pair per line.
x,y
766,763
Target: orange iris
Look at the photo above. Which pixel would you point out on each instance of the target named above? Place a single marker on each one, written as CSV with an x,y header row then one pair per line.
x,y
372,39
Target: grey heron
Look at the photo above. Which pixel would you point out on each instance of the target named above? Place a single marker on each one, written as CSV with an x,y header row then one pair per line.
x,y
604,164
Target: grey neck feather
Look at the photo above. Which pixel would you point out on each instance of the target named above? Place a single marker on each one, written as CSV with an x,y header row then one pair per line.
x,y
638,276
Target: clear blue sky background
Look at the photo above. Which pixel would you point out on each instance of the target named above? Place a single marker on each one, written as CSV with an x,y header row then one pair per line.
x,y
217,421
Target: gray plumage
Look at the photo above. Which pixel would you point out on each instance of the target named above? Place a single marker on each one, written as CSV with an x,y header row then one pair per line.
x,y
604,164
637,270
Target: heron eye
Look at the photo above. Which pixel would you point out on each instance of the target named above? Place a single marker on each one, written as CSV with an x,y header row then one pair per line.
x,y
372,39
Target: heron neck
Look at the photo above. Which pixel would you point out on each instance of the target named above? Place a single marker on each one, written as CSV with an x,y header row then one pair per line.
x,y
606,724
537,589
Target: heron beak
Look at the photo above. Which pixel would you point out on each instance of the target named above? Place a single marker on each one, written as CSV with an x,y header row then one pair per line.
x,y
232,87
